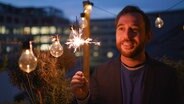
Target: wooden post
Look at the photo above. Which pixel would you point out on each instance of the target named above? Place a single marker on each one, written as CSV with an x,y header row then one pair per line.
x,y
86,47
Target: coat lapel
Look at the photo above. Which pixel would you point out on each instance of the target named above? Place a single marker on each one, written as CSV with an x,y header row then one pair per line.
x,y
117,82
149,80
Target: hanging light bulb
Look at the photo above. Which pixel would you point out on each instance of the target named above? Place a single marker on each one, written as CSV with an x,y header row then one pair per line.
x,y
56,48
83,22
28,61
159,22
87,6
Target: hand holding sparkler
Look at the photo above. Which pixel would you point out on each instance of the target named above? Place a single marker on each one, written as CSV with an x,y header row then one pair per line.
x,y
80,86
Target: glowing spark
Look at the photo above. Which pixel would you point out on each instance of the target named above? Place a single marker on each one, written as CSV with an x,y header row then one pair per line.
x,y
75,40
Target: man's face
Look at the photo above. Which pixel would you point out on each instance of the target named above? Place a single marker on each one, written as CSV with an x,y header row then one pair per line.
x,y
130,35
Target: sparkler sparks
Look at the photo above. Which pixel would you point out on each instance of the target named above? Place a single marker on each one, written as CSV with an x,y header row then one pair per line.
x,y
75,40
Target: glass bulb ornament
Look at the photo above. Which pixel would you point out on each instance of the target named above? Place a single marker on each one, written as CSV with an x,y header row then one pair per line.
x,y
56,49
83,22
159,22
28,61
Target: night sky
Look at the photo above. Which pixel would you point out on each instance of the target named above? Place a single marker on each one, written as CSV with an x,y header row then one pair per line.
x,y
102,8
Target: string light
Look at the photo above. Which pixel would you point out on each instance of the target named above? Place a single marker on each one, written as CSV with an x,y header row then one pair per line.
x,y
159,22
175,4
83,22
28,61
104,10
56,49
87,6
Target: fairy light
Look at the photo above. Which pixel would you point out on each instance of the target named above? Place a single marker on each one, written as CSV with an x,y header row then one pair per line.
x,y
28,61
87,6
159,22
56,49
83,22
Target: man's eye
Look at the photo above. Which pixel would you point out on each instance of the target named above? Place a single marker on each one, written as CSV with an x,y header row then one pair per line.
x,y
120,28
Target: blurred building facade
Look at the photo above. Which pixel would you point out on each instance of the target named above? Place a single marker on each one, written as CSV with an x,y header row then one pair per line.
x,y
19,24
22,24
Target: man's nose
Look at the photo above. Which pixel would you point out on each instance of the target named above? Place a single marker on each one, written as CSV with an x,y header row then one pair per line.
x,y
129,33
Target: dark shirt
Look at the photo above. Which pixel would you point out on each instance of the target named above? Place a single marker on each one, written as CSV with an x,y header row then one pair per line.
x,y
132,84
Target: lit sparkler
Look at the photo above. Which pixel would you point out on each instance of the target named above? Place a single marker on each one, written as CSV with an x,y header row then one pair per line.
x,y
75,39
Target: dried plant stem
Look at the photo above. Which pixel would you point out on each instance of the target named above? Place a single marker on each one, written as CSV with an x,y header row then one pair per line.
x,y
29,84
31,99
53,95
40,96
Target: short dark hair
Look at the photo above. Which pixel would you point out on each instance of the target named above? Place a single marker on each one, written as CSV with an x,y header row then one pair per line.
x,y
134,9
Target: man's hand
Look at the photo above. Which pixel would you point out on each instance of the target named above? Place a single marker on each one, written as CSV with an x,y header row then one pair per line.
x,y
79,86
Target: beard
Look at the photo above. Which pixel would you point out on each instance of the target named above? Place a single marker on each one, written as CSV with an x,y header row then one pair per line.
x,y
134,51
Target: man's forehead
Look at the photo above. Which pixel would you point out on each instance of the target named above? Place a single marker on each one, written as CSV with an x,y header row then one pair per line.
x,y
135,18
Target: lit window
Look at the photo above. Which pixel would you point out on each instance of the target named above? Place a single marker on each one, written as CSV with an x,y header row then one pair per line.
x,y
7,31
66,31
36,39
110,54
96,47
35,30
44,47
2,30
8,49
14,31
27,30
44,39
20,30
78,54
95,54
59,30
52,30
44,30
